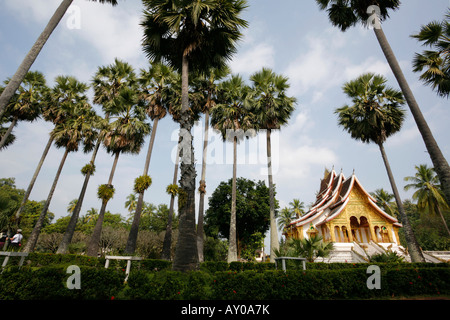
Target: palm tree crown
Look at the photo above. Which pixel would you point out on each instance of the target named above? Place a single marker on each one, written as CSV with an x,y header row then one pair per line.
x,y
375,114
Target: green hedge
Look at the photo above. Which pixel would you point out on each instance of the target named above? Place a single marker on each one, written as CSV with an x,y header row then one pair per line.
x,y
51,283
290,285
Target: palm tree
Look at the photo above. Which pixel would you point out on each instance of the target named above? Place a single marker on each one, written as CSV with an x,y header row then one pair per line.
x,y
190,35
428,194
107,83
130,204
207,84
374,116
77,129
26,104
126,134
298,207
273,109
311,248
436,62
285,218
234,120
384,201
154,83
60,95
346,13
29,59
71,206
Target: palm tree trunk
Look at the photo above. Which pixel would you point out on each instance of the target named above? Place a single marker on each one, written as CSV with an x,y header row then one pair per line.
x,y
201,206
132,237
33,179
68,235
274,244
186,256
232,245
29,59
411,242
31,243
167,244
96,234
439,162
8,132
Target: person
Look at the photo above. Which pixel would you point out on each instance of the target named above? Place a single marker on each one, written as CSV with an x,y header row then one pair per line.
x,y
16,240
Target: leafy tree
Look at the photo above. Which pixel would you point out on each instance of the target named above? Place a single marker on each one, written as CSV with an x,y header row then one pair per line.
x,y
384,201
428,194
252,210
435,64
309,248
348,13
26,104
374,116
192,35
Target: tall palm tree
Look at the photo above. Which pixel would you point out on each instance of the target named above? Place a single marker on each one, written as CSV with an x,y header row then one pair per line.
x,y
436,62
27,103
190,35
428,194
273,109
77,129
347,13
207,84
29,59
126,134
60,95
71,206
374,116
154,83
107,83
234,121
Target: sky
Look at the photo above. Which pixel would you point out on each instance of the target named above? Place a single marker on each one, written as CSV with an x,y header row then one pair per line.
x,y
293,38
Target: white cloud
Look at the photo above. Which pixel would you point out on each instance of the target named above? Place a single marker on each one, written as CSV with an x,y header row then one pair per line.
x,y
253,59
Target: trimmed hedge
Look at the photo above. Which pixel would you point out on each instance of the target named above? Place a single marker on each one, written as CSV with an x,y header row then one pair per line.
x,y
50,283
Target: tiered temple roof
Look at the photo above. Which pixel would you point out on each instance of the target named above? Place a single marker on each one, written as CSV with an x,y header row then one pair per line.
x,y
333,197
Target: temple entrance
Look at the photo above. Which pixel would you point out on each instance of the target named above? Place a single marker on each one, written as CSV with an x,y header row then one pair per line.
x,y
360,229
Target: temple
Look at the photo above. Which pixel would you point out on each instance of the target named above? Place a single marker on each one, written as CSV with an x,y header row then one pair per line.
x,y
347,215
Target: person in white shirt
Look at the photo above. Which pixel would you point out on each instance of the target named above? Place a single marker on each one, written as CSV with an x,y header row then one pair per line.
x,y
16,239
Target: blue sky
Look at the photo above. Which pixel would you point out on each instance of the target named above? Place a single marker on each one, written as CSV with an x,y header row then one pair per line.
x,y
292,37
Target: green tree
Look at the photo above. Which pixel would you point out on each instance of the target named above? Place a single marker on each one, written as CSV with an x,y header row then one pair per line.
x,y
297,207
126,134
74,131
285,218
252,210
311,248
384,201
272,108
374,116
428,195
234,121
435,64
31,56
345,14
26,104
188,35
154,83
